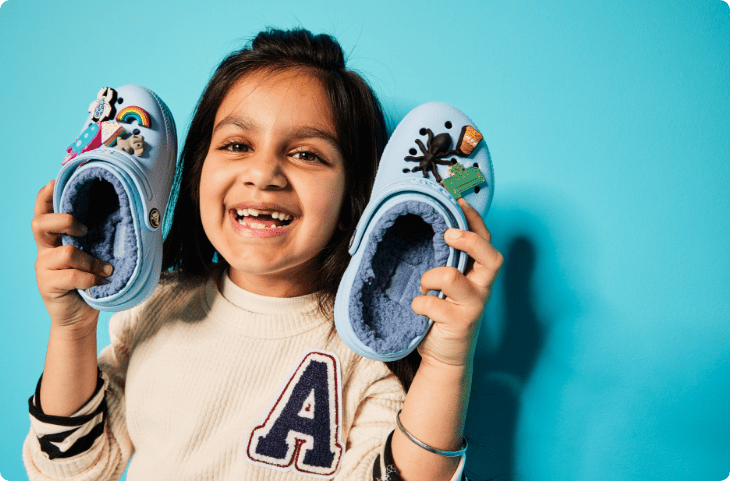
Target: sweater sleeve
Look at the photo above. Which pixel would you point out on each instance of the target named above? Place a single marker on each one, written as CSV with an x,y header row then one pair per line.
x,y
93,443
384,466
368,455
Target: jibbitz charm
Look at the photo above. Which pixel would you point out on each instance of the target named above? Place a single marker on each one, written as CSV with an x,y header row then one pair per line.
x,y
468,140
461,179
102,108
110,132
133,144
133,112
154,218
437,148
89,139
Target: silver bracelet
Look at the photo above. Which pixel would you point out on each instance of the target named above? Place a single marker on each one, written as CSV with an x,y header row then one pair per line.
x,y
450,454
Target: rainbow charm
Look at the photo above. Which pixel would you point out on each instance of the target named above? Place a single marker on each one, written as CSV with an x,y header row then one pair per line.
x,y
134,113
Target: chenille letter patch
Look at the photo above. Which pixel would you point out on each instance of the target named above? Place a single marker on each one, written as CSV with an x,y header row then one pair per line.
x,y
301,430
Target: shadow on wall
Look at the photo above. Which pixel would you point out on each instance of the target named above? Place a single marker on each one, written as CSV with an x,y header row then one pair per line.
x,y
547,252
499,376
505,363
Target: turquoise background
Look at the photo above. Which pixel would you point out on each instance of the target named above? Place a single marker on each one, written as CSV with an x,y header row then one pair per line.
x,y
604,350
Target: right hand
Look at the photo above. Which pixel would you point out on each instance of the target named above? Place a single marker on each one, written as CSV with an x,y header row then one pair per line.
x,y
61,269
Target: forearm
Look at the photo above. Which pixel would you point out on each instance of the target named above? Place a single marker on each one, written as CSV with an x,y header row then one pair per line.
x,y
434,413
70,372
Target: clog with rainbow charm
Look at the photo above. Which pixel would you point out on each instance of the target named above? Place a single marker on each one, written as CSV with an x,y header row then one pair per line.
x,y
116,179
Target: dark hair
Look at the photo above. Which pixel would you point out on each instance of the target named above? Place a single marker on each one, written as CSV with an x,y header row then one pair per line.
x,y
361,132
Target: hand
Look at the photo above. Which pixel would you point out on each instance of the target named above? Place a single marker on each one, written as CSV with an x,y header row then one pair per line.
x,y
60,270
453,336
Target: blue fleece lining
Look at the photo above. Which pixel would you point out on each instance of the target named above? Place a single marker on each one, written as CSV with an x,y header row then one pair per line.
x,y
407,241
97,199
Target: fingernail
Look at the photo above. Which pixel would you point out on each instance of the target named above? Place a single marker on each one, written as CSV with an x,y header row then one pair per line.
x,y
423,293
453,234
108,269
84,229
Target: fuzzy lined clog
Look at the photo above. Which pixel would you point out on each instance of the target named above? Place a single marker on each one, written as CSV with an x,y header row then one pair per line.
x,y
434,156
116,179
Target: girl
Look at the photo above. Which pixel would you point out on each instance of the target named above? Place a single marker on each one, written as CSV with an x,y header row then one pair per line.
x,y
232,369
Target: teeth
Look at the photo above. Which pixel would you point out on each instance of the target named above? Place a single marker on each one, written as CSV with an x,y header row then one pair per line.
x,y
256,213
280,216
259,226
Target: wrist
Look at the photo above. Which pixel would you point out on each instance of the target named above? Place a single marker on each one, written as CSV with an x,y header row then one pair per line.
x,y
70,371
78,332
440,372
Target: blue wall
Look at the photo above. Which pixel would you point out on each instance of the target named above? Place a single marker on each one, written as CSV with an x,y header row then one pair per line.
x,y
604,351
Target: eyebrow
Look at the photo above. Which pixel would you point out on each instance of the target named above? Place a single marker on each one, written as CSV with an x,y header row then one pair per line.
x,y
248,124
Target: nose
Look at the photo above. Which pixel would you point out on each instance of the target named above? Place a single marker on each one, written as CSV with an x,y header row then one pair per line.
x,y
263,171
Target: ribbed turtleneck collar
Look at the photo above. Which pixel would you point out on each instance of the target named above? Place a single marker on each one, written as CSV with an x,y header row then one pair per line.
x,y
261,316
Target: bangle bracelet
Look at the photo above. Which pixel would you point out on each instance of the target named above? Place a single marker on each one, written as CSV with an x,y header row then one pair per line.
x,y
450,454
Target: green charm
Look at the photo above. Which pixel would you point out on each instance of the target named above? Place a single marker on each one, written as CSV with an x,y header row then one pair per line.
x,y
461,179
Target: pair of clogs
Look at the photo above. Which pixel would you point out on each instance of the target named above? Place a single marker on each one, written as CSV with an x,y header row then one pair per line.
x,y
119,172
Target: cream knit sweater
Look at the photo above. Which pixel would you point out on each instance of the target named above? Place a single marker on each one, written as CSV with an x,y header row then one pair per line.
x,y
208,383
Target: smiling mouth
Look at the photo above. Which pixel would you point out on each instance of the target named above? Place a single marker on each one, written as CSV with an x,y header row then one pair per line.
x,y
262,219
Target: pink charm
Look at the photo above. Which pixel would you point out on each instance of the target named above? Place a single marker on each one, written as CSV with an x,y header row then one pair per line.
x,y
110,132
89,139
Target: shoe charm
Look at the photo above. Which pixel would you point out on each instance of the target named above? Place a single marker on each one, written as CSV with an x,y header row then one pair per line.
x,y
111,131
108,133
461,179
433,154
436,149
103,107
89,139
468,140
132,145
133,112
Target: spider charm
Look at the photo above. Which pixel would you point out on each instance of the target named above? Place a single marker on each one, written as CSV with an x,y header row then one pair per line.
x,y
434,151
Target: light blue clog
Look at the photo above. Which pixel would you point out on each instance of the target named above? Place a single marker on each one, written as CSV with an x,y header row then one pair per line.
x,y
116,179
435,155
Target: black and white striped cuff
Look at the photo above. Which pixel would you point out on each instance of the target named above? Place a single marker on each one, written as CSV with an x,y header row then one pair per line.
x,y
64,437
384,468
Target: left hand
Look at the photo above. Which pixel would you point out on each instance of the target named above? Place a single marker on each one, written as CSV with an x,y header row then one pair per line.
x,y
456,318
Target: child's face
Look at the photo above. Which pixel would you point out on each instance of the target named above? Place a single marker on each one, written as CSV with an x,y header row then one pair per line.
x,y
274,148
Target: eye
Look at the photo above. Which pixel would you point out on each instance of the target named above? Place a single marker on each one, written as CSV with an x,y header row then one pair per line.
x,y
307,156
236,147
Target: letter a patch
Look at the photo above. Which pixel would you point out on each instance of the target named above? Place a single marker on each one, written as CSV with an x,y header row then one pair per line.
x,y
301,431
